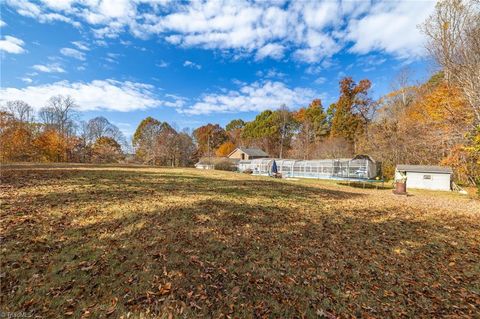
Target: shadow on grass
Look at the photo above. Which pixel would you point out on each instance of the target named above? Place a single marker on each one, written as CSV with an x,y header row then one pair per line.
x,y
217,256
367,185
87,187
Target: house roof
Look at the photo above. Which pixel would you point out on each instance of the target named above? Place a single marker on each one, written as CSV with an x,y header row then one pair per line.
x,y
251,151
363,156
425,169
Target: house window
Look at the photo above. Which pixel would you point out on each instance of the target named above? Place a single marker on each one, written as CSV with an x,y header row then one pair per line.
x,y
243,156
427,176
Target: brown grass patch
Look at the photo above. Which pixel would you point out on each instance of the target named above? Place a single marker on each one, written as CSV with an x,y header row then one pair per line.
x,y
93,241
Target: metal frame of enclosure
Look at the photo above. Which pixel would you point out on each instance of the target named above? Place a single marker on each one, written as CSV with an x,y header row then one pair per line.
x,y
352,169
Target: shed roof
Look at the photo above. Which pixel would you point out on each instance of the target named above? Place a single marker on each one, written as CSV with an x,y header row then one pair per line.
x,y
425,169
252,151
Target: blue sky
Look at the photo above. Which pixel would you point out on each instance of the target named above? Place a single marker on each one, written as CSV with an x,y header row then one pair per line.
x,y
192,63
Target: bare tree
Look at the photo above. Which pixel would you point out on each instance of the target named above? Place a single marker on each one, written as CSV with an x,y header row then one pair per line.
x,y
101,127
60,114
453,32
20,110
401,87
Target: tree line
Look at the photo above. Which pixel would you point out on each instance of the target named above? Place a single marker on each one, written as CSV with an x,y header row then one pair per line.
x,y
55,135
436,122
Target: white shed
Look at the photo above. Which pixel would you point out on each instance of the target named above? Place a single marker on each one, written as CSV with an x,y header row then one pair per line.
x,y
426,177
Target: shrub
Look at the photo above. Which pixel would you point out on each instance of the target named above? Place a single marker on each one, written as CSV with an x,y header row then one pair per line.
x,y
225,165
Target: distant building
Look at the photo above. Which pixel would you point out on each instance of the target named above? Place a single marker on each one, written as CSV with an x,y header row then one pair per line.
x,y
222,163
361,167
242,153
425,177
205,165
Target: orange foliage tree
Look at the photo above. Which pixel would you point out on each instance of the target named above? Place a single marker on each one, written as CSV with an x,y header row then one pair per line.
x,y
225,149
106,150
51,146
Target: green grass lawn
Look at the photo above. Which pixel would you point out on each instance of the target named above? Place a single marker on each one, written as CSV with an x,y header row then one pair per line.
x,y
91,241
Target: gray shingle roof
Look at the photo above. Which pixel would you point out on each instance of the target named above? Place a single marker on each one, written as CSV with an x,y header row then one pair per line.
x,y
253,151
425,169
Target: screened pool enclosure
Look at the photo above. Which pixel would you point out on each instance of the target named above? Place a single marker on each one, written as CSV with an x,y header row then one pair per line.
x,y
360,167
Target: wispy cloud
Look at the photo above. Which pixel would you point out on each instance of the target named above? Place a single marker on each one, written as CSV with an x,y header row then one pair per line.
x,y
49,68
193,65
12,45
270,74
272,50
162,64
81,45
320,80
73,53
112,57
256,97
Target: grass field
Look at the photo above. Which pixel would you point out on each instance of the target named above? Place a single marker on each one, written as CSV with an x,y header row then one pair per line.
x,y
91,241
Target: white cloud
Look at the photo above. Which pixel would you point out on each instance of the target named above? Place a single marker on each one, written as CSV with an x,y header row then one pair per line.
x,y
73,53
391,27
49,68
320,80
81,45
192,65
270,74
112,57
308,31
2,23
12,45
162,64
273,50
96,95
255,97
27,80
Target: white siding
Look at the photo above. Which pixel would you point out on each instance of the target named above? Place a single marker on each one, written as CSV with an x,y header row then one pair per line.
x,y
437,181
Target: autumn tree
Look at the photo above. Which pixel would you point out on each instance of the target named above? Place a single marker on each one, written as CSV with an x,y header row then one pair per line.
x,y
60,114
353,109
208,138
225,149
17,132
312,127
16,143
166,145
453,33
144,139
106,150
158,143
51,146
185,149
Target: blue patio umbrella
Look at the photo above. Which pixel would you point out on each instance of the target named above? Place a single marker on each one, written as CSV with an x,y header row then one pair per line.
x,y
274,167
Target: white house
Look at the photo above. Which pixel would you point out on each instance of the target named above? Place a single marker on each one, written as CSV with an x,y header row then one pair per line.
x,y
425,177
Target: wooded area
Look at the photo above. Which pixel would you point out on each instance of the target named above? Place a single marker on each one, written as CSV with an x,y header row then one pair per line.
x,y
436,122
